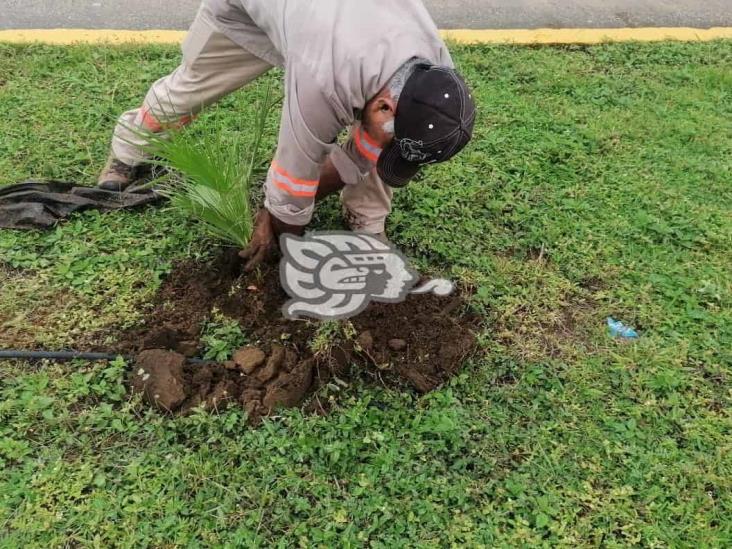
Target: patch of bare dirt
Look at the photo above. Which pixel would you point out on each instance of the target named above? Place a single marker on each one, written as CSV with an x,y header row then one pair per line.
x,y
560,333
419,343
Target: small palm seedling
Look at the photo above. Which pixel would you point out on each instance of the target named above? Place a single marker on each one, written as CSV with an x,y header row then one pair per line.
x,y
211,177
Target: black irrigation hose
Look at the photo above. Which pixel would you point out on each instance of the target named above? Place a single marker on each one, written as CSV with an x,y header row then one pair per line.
x,y
57,355
71,355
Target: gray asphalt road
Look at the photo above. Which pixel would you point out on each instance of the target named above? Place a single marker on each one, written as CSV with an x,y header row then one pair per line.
x,y
477,14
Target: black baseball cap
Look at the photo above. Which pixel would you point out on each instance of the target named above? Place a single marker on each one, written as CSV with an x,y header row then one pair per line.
x,y
434,121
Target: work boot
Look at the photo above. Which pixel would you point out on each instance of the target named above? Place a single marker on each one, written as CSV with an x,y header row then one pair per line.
x,y
116,175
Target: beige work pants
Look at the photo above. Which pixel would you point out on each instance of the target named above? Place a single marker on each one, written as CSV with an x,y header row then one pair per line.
x,y
212,67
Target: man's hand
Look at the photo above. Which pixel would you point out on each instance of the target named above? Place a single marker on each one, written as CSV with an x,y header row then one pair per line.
x,y
267,230
262,242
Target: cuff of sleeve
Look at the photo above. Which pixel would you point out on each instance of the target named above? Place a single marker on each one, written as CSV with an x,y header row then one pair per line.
x,y
289,213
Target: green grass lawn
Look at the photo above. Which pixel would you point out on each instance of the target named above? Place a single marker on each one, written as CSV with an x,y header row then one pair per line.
x,y
599,183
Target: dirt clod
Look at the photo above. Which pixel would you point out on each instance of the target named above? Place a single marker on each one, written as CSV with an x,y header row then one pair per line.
x,y
255,410
158,376
249,359
397,345
223,394
419,381
365,340
274,364
290,389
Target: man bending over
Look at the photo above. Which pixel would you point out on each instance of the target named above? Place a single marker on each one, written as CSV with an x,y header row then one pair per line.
x,y
376,66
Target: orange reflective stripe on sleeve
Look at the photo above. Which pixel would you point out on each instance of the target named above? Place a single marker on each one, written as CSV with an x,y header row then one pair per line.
x,y
293,185
366,146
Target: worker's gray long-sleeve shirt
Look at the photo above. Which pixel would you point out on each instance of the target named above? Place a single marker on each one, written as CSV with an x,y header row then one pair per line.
x,y
337,54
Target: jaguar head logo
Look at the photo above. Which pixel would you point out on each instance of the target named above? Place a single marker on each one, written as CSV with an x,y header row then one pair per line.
x,y
334,275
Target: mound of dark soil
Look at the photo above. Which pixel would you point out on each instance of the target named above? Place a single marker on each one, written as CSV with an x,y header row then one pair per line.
x,y
421,342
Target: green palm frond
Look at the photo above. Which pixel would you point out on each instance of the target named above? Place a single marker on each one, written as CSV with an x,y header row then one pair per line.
x,y
211,176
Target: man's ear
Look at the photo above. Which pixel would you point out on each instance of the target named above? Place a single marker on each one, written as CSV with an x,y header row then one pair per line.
x,y
384,103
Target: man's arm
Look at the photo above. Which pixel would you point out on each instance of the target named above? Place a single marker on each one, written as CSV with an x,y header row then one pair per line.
x,y
308,128
267,228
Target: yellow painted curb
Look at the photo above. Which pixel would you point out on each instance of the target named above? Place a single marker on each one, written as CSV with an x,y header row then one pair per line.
x,y
91,36
463,36
585,36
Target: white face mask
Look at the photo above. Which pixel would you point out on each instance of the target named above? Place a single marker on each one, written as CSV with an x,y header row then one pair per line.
x,y
388,127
